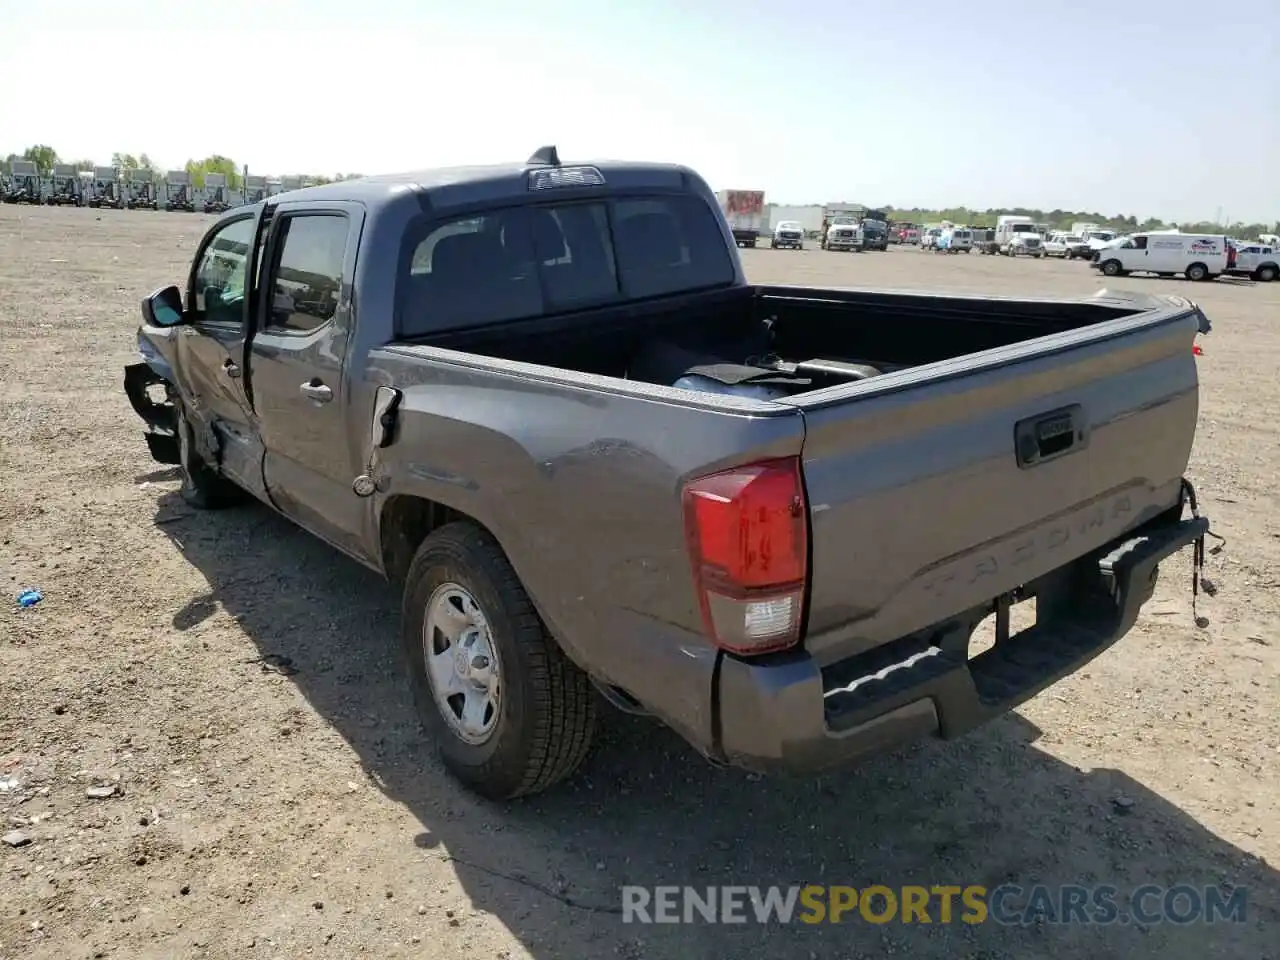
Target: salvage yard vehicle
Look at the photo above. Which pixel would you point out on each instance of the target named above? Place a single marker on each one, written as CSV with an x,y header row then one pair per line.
x,y
140,190
544,399
1017,236
1059,243
984,241
788,234
1196,256
843,233
216,198
1258,261
1089,243
104,189
744,209
23,184
177,191
64,186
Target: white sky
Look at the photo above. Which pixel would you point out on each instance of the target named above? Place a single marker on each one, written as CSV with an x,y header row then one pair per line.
x,y
932,103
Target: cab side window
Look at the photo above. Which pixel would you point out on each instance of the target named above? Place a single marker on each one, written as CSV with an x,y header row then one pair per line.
x,y
1140,243
306,281
218,287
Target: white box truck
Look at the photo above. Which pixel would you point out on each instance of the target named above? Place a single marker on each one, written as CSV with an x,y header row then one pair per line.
x,y
744,209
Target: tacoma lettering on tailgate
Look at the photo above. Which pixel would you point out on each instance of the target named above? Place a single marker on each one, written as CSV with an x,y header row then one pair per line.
x,y
1083,530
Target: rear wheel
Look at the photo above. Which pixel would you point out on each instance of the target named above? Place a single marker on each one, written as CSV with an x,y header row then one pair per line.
x,y
510,714
1266,273
1197,272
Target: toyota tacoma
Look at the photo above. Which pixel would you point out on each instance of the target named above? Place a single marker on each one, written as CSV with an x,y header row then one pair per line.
x,y
544,398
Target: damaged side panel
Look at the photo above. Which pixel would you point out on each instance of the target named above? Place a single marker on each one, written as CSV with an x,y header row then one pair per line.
x,y
150,395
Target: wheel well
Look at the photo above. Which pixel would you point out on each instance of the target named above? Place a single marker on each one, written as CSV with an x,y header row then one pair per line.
x,y
404,523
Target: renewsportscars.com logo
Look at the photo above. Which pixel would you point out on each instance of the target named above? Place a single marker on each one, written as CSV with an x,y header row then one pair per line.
x,y
1007,904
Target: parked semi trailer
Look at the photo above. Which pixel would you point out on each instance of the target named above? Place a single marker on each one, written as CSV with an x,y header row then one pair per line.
x,y
744,209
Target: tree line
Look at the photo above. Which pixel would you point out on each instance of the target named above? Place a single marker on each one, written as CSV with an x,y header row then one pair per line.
x,y
44,157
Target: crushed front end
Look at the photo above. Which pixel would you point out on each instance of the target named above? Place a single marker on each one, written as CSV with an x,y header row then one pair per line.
x,y
150,391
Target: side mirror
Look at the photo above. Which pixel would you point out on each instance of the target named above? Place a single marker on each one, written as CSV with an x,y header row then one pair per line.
x,y
163,308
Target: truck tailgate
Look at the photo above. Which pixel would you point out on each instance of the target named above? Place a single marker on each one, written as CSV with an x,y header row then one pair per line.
x,y
937,489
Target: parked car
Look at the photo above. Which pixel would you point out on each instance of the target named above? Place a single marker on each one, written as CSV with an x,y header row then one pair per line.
x,y
1090,243
1059,244
788,234
544,399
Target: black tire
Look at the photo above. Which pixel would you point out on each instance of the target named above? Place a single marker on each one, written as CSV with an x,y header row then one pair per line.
x,y
202,487
1266,273
546,713
1197,272
1112,268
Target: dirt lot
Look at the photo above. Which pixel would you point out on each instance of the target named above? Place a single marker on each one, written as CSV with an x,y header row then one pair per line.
x,y
281,813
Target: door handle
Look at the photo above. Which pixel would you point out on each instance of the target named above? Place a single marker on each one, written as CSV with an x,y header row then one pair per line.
x,y
230,368
317,391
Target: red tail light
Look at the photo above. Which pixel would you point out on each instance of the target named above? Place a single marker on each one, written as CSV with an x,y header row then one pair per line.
x,y
1196,351
748,537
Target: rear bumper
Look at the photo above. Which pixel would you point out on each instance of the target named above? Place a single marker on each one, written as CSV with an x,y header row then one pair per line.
x,y
789,714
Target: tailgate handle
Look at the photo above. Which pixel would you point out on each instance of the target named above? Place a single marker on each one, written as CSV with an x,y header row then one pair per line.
x,y
1047,436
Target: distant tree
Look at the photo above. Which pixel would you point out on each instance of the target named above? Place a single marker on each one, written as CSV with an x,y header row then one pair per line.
x,y
214,164
124,161
42,155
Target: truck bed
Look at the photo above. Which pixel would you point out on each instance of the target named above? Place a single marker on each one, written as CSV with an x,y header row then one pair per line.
x,y
891,331
933,487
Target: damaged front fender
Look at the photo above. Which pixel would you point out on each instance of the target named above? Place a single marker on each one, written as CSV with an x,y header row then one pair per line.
x,y
151,396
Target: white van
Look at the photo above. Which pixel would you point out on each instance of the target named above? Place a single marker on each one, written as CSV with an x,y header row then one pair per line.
x,y
1198,256
956,240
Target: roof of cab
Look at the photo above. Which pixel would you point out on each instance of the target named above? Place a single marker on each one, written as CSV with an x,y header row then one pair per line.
x,y
453,186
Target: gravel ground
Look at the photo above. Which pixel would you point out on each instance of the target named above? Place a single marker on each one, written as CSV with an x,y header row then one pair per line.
x,y
260,807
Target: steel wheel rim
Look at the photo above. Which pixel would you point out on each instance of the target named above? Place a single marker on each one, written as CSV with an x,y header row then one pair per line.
x,y
461,663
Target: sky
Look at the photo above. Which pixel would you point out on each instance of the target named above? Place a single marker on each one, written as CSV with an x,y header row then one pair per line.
x,y
1167,109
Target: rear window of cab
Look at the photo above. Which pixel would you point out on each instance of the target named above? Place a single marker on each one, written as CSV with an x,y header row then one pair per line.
x,y
531,260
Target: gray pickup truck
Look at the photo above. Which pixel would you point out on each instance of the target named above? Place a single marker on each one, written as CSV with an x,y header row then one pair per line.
x,y
544,398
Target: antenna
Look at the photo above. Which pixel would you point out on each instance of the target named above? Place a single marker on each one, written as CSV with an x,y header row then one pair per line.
x,y
546,155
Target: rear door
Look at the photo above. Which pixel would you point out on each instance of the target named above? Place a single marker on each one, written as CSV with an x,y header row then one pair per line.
x,y
296,362
211,346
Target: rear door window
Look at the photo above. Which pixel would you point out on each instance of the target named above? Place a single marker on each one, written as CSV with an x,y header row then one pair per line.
x,y
575,254
668,244
526,261
471,272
